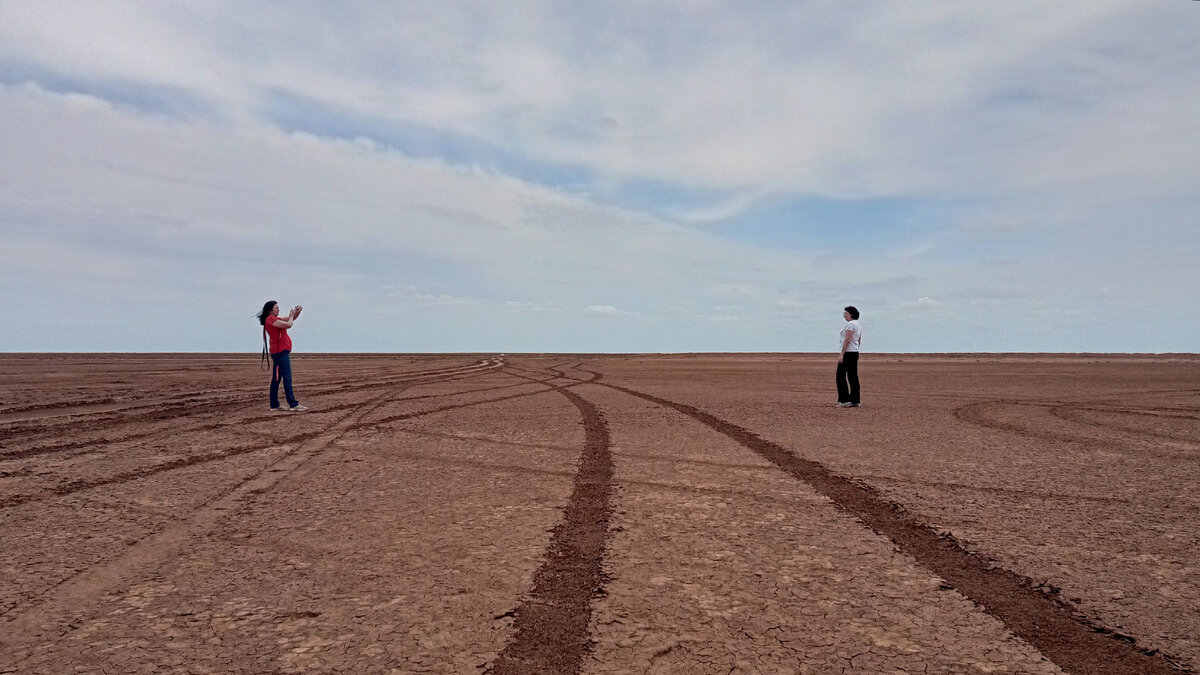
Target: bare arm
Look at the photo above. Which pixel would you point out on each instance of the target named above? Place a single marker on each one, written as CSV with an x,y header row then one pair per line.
x,y
290,321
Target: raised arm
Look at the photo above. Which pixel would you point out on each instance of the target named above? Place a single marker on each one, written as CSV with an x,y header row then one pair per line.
x,y
281,322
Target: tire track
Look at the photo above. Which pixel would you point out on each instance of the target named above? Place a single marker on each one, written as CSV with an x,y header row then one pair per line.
x,y
1177,413
551,625
475,368
345,374
549,633
668,459
145,472
191,460
486,439
64,408
405,416
1078,415
1002,491
81,589
972,413
221,401
1064,636
204,426
76,590
442,460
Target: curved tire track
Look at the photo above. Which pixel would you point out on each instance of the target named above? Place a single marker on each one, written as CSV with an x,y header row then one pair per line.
x,y
77,589
551,625
78,407
82,588
191,460
1078,415
160,410
1064,636
972,413
98,444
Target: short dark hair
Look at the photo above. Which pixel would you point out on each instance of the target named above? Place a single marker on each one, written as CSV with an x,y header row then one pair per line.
x,y
267,307
853,311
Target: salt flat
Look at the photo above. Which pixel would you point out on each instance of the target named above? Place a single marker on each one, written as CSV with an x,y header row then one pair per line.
x,y
600,513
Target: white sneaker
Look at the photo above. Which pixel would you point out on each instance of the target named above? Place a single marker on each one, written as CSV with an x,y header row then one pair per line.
x,y
842,405
298,408
277,409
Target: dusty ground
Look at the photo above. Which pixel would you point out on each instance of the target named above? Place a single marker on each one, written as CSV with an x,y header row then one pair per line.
x,y
600,514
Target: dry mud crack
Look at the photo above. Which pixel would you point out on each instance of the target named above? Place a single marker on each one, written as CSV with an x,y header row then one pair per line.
x,y
1057,629
81,590
551,626
693,513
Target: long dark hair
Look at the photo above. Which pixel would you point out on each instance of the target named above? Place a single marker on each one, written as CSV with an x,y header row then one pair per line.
x,y
267,307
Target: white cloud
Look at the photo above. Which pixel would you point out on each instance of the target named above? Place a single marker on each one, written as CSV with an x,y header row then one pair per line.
x,y
847,101
722,210
924,303
724,318
605,311
409,294
485,169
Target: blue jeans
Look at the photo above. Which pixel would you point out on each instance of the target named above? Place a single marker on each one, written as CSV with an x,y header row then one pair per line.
x,y
282,370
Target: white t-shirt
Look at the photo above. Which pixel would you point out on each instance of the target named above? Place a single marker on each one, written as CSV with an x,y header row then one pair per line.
x,y
854,329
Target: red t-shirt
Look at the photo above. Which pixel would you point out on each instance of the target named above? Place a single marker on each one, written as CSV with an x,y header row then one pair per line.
x,y
280,342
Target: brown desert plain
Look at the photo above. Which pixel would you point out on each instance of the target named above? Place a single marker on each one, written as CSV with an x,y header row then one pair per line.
x,y
707,513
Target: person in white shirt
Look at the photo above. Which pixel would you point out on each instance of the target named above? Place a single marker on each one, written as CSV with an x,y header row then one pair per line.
x,y
847,367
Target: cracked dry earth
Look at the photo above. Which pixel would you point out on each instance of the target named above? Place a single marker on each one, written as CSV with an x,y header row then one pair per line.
x,y
595,514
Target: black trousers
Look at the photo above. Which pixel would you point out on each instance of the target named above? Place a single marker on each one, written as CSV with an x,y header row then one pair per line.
x,y
847,379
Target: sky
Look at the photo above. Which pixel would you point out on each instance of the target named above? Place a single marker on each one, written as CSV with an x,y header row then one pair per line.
x,y
600,177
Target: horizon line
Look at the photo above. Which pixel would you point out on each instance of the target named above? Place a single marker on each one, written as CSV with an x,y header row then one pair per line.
x,y
596,353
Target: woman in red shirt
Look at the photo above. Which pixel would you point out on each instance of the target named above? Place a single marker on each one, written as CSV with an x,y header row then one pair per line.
x,y
276,330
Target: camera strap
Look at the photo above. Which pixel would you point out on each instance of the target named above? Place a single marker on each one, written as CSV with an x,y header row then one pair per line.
x,y
262,364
